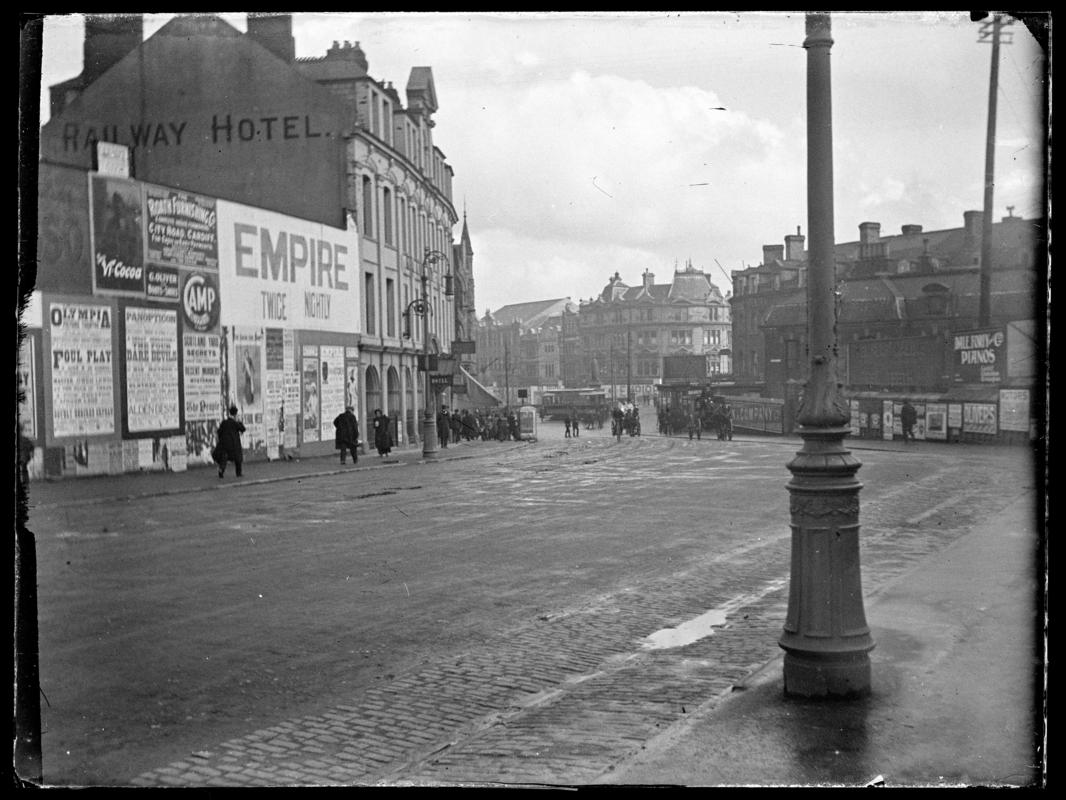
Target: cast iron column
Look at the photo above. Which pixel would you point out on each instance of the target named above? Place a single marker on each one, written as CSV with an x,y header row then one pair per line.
x,y
429,421
826,639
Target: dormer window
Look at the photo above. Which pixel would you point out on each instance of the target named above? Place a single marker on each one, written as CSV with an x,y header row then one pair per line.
x,y
935,297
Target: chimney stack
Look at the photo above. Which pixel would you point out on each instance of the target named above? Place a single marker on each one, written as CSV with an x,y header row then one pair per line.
x,y
108,39
772,253
649,278
794,246
972,223
911,230
274,32
869,232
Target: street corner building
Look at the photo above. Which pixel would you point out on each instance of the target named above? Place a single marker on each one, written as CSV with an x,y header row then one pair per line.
x,y
221,223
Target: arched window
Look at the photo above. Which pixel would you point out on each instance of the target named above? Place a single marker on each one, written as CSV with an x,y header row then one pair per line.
x,y
373,391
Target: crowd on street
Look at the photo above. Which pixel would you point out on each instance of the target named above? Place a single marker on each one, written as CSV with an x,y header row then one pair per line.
x,y
714,417
467,425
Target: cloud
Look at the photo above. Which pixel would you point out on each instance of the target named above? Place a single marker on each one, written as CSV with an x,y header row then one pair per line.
x,y
617,165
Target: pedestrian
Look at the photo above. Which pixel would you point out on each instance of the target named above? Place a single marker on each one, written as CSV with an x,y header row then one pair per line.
x,y
347,438
382,433
25,456
566,422
575,423
229,444
443,425
908,416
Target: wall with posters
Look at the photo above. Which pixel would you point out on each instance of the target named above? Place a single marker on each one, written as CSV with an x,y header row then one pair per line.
x,y
135,368
290,321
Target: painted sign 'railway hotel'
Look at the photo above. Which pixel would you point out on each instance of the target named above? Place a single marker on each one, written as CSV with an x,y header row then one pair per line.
x,y
255,240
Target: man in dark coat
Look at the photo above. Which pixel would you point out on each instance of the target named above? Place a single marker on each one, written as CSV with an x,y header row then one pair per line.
x,y
444,422
347,438
908,416
229,443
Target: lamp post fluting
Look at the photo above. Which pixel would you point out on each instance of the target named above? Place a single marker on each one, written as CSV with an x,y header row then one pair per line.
x,y
826,639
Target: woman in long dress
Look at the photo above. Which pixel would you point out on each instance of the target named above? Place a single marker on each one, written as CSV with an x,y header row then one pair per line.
x,y
382,433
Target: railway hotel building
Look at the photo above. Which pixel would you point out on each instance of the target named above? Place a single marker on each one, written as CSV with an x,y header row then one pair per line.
x,y
219,221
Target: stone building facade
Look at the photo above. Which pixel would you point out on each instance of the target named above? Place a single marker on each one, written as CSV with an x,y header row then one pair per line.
x,y
625,331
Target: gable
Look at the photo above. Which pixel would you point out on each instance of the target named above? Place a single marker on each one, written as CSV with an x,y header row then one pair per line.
x,y
207,109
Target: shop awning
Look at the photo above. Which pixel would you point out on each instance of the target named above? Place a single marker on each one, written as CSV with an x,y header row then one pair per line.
x,y
475,396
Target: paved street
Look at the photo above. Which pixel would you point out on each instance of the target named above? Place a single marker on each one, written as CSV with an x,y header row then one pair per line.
x,y
493,618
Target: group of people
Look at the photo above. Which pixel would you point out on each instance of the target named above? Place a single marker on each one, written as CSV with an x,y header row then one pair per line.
x,y
625,419
714,417
347,440
467,425
574,420
452,426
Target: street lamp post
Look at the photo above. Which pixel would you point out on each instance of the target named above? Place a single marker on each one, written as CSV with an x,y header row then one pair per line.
x,y
421,306
826,639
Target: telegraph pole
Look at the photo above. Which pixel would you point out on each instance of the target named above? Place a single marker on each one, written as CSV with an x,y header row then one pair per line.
x,y
629,364
825,639
990,31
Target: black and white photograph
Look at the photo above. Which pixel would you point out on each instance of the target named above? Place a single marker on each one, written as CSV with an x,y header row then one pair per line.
x,y
700,361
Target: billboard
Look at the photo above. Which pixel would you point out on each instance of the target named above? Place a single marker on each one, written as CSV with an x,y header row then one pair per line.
x,y
27,384
83,401
181,228
152,386
980,355
282,272
117,239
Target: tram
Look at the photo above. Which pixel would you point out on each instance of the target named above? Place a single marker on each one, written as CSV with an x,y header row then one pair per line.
x,y
588,404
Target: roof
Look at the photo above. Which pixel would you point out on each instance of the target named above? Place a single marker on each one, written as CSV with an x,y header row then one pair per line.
x,y
885,297
532,314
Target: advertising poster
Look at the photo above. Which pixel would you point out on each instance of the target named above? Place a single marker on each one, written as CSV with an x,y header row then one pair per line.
x,y
887,426
274,398
979,418
247,384
954,416
936,421
117,235
182,228
80,360
27,378
980,356
202,370
856,425
161,283
152,383
201,367
331,388
283,272
200,300
292,389
1014,410
309,403
351,386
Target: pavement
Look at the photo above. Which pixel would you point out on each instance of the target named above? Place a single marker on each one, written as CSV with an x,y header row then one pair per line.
x,y
958,693
957,689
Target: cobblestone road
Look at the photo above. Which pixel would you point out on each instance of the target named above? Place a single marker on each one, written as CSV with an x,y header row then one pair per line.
x,y
562,694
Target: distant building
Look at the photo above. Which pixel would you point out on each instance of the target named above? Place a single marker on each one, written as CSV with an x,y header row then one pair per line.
x,y
902,299
624,332
518,347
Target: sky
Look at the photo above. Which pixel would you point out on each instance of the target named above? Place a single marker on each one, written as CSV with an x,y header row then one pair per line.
x,y
594,143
